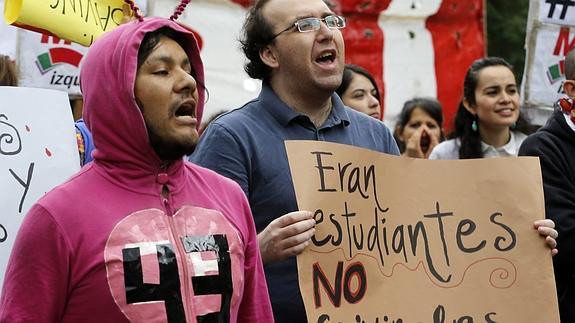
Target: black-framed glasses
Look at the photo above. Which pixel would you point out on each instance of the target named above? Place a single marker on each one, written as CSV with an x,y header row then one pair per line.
x,y
306,25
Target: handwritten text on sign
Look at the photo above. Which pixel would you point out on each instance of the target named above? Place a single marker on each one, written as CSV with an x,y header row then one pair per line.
x,y
38,151
80,21
404,240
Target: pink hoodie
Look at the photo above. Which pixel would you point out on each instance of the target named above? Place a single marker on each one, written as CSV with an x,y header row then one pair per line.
x,y
107,247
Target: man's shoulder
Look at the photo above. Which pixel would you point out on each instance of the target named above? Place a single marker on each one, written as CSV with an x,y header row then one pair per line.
x,y
212,178
239,115
538,141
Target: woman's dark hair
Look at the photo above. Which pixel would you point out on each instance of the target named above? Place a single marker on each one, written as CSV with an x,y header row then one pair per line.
x,y
348,73
470,140
429,105
8,74
256,34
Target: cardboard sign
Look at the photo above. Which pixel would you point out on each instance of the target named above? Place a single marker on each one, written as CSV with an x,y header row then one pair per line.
x,y
80,21
413,240
38,151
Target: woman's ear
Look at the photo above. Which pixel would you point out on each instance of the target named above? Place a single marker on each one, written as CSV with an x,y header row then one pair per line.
x,y
472,109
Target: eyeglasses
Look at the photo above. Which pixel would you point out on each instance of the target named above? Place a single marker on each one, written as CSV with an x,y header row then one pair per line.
x,y
312,24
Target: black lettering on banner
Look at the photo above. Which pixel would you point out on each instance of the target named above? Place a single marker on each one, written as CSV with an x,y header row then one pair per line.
x,y
333,293
439,316
220,283
25,184
318,217
168,290
465,228
320,167
357,270
565,6
8,138
4,235
439,215
500,239
342,282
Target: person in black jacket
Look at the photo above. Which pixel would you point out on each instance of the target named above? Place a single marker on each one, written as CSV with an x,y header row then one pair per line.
x,y
554,144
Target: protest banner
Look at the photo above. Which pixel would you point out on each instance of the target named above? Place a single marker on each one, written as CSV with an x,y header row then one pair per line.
x,y
38,151
80,21
413,240
558,12
50,62
550,35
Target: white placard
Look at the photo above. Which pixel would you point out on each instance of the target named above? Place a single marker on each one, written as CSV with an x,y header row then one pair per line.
x,y
49,62
544,73
38,151
560,12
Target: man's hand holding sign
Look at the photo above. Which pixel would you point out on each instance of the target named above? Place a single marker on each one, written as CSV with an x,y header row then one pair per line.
x,y
406,240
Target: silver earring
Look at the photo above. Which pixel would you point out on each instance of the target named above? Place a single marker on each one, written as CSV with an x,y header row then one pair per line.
x,y
474,126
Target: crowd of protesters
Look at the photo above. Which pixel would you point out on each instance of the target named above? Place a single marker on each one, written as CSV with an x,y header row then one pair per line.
x,y
143,90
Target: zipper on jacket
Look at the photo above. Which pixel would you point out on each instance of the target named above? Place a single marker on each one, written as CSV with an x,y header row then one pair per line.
x,y
179,250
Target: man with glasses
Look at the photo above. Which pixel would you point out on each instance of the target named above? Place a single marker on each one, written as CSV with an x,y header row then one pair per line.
x,y
296,48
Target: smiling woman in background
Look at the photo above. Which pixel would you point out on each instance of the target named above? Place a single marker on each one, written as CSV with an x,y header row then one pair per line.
x,y
358,90
488,121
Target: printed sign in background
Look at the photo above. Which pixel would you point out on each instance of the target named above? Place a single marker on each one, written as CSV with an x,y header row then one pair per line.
x,y
50,62
412,240
38,151
557,12
550,36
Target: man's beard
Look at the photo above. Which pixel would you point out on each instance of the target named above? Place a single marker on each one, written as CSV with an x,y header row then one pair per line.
x,y
170,150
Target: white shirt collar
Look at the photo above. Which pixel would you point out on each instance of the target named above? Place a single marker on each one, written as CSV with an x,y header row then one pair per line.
x,y
511,148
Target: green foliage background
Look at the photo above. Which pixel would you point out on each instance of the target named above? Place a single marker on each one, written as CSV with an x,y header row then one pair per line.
x,y
506,23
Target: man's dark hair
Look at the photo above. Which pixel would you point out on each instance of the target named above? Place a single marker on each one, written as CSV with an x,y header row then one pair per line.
x,y
151,40
256,34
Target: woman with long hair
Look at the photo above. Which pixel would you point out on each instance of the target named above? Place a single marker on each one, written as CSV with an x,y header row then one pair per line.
x,y
488,122
358,90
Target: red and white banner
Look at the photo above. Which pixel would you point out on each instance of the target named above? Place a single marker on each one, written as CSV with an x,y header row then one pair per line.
x,y
415,47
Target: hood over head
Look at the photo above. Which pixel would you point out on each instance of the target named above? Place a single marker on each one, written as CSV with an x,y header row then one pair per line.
x,y
107,78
